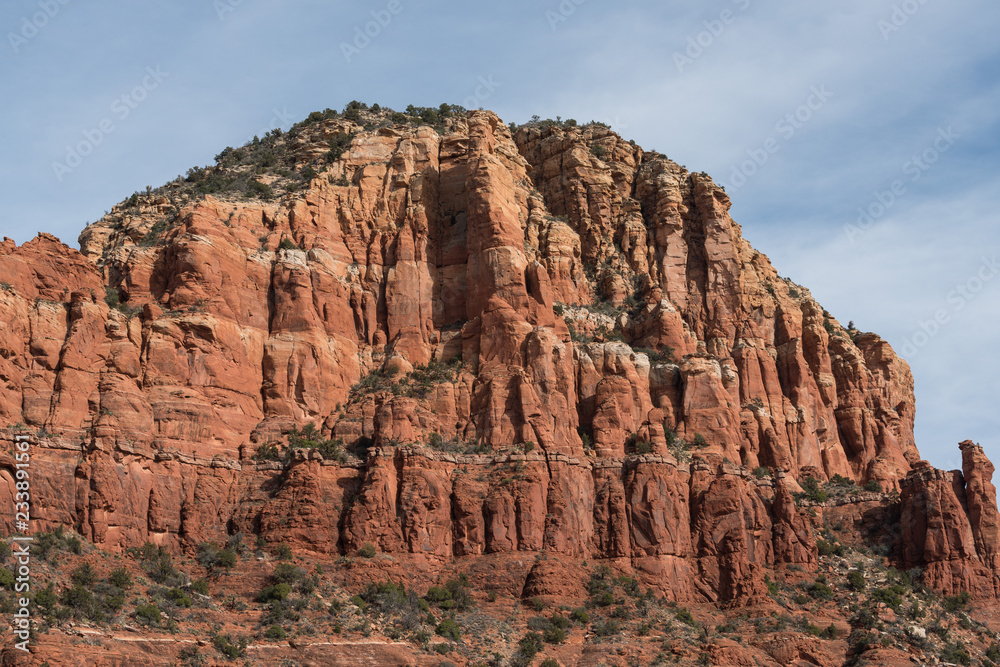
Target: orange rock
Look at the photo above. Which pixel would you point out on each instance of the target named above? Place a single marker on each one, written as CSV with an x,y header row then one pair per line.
x,y
335,305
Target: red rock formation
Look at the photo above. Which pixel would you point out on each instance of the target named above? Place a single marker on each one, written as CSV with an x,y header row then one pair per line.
x,y
949,526
553,268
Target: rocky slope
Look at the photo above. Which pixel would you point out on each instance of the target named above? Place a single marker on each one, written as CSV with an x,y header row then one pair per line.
x,y
510,342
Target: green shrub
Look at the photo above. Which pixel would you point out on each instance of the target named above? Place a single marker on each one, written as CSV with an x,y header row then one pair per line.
x,y
554,635
830,548
157,563
84,575
527,648
607,628
121,578
341,142
684,616
230,646
820,591
891,596
6,579
953,603
274,592
438,594
200,586
283,552
287,244
956,654
549,662
210,556
560,621
276,632
449,629
148,614
856,580
580,615
286,573
179,597
863,619
80,600
259,190
873,486
367,550
811,490
760,472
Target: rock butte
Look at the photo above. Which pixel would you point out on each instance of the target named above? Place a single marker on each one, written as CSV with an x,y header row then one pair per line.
x,y
537,265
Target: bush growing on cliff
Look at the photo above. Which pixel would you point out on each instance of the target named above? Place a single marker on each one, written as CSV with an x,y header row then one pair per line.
x,y
230,646
211,557
820,591
633,445
449,629
955,654
684,616
553,630
678,447
529,646
309,437
873,486
148,614
455,594
338,145
112,297
811,490
84,575
890,596
157,563
831,548
953,603
663,355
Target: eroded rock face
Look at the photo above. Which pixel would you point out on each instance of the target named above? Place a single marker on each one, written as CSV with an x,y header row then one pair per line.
x,y
949,525
595,305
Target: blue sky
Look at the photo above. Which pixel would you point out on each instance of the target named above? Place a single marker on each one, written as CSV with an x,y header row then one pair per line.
x,y
806,112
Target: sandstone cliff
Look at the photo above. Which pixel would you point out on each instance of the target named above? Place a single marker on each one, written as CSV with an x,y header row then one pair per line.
x,y
544,340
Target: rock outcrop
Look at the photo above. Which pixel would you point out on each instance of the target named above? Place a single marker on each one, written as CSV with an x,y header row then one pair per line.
x,y
950,524
546,341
